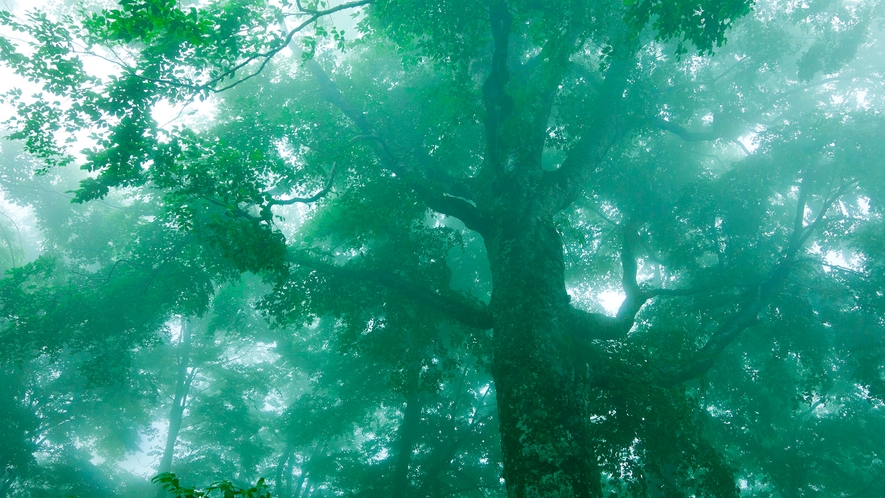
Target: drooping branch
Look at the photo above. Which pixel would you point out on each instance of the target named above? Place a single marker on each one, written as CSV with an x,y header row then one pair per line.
x,y
212,85
14,259
96,281
467,314
266,57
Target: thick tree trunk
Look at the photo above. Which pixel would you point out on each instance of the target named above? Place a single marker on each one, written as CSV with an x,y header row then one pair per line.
x,y
542,412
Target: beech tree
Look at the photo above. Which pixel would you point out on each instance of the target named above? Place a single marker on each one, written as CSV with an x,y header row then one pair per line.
x,y
497,166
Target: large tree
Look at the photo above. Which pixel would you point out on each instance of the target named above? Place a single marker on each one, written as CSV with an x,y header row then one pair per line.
x,y
500,164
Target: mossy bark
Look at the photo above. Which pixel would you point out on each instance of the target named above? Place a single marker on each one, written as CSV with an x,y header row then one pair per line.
x,y
542,411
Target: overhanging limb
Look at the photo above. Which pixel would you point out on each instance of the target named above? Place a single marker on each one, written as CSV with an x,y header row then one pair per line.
x,y
461,311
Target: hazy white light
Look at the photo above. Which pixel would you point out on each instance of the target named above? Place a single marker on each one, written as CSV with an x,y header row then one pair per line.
x,y
611,300
749,141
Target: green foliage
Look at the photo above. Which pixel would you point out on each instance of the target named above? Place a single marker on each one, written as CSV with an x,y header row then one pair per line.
x,y
223,489
305,340
703,23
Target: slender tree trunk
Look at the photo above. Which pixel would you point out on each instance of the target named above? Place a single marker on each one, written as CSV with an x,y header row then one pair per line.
x,y
284,476
444,453
176,412
299,488
542,412
289,492
408,435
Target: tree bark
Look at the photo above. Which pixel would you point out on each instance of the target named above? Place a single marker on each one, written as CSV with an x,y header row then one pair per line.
x,y
542,413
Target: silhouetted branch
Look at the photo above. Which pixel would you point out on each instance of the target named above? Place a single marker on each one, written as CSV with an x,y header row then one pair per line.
x,y
106,278
460,311
587,326
597,326
264,57
233,210
313,198
684,133
332,10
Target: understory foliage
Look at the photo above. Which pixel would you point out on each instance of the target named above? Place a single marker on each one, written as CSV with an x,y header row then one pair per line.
x,y
172,485
414,248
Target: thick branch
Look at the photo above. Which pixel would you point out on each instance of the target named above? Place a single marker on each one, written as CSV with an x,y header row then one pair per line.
x,y
461,209
441,202
590,326
567,183
456,309
706,357
635,298
522,124
498,104
586,326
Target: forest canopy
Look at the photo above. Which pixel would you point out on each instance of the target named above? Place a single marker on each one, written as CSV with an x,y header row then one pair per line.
x,y
451,248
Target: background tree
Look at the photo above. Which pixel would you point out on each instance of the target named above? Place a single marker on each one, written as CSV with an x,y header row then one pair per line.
x,y
214,390
498,165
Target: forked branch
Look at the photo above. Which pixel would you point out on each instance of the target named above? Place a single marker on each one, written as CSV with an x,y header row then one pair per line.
x,y
597,326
